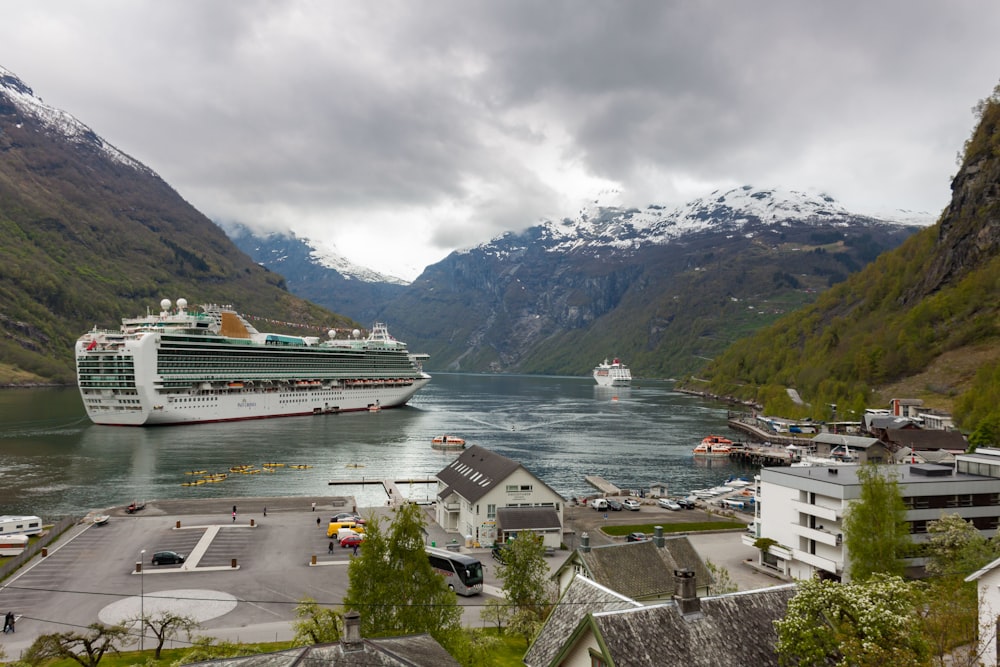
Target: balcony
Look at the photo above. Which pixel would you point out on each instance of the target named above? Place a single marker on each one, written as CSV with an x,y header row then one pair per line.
x,y
818,511
825,564
823,536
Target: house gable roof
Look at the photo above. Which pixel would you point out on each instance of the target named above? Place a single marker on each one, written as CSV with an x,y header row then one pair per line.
x,y
527,518
838,440
641,570
921,440
476,471
407,651
731,631
582,597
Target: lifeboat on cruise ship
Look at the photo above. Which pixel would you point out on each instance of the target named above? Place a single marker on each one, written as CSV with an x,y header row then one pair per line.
x,y
714,446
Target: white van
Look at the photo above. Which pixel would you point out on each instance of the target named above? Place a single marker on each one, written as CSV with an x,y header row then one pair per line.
x,y
599,504
346,532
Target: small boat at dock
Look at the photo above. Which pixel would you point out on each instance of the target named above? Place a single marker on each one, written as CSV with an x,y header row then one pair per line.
x,y
714,446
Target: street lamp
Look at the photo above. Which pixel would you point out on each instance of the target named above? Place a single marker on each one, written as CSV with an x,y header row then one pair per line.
x,y
142,597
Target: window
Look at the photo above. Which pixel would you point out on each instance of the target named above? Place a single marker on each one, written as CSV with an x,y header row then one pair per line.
x,y
491,511
597,660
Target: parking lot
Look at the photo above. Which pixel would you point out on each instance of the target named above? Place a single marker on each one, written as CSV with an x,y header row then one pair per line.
x,y
280,558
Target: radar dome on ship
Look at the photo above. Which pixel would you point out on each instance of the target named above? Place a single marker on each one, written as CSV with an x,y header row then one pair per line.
x,y
332,333
182,303
165,304
356,333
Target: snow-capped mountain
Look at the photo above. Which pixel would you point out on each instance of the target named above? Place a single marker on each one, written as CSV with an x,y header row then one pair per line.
x,y
74,131
745,209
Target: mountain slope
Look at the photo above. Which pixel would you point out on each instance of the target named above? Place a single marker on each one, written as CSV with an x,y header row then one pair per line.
x,y
89,235
663,289
935,297
318,274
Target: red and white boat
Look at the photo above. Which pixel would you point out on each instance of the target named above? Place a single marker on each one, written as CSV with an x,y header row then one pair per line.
x,y
714,446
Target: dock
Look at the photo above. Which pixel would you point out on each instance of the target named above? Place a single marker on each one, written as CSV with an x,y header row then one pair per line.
x,y
388,485
603,485
767,436
762,455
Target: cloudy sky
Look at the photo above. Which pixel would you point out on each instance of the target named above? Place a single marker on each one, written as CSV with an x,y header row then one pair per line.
x,y
399,131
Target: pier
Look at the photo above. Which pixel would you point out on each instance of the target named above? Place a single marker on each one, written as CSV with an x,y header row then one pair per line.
x,y
603,485
388,485
762,455
738,424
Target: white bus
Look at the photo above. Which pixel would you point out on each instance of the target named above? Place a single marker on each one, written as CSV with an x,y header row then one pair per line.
x,y
12,545
20,525
464,574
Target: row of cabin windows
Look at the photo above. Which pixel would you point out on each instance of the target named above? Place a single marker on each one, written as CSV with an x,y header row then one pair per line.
x,y
979,522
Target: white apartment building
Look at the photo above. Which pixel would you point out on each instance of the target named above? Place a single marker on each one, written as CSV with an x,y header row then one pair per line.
x,y
802,509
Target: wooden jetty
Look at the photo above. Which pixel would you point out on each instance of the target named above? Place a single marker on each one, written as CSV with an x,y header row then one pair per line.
x,y
762,455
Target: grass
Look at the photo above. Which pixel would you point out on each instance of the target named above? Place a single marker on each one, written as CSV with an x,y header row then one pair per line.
x,y
693,527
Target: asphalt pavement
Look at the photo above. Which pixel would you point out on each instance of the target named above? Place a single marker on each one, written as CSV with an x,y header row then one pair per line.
x,y
243,576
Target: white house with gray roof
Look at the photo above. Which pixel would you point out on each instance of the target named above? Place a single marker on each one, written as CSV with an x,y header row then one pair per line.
x,y
479,482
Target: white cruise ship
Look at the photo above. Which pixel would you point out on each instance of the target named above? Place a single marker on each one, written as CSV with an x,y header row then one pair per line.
x,y
180,367
615,374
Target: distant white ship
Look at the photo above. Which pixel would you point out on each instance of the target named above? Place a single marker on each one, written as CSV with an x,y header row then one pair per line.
x,y
615,374
180,367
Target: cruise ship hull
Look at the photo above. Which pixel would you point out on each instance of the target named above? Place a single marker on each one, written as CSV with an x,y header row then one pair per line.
x,y
178,368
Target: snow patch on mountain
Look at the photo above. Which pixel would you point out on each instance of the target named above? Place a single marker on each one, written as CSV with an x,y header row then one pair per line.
x,y
605,223
329,257
24,98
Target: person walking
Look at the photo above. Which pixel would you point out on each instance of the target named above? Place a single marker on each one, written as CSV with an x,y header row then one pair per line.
x,y
234,516
314,507
265,510
8,622
355,550
317,521
329,549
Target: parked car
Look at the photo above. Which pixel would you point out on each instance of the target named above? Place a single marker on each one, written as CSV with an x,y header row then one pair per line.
x,y
636,537
686,503
352,540
631,504
348,516
599,504
498,553
667,503
167,558
614,505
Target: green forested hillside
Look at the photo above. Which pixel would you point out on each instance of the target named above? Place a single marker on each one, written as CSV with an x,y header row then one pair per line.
x,y
86,239
935,295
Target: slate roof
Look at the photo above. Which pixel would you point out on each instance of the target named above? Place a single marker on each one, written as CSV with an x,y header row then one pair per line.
x,y
527,518
581,597
734,630
476,471
852,441
407,651
921,440
641,570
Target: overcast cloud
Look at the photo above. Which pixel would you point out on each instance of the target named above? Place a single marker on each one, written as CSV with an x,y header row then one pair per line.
x,y
399,131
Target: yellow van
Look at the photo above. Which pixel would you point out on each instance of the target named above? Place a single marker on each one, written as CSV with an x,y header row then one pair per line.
x,y
331,530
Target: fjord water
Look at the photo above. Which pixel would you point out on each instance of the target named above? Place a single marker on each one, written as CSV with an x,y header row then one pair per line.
x,y
54,462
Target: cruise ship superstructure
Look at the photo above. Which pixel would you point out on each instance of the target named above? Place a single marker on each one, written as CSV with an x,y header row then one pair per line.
x,y
615,374
180,367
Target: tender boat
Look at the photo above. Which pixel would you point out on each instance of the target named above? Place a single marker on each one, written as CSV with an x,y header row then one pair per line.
x,y
714,446
101,519
448,442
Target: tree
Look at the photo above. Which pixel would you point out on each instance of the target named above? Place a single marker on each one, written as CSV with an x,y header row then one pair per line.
x,y
956,548
316,625
876,535
857,624
85,648
525,583
165,625
392,584
495,611
722,581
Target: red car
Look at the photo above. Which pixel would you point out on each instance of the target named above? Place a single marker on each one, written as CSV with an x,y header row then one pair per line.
x,y
352,541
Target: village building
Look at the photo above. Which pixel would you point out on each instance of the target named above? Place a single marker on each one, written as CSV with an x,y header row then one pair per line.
x,y
802,509
850,448
642,571
988,592
595,626
924,440
352,651
478,483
